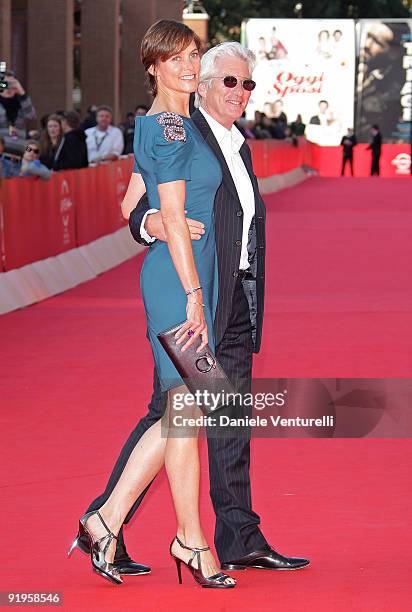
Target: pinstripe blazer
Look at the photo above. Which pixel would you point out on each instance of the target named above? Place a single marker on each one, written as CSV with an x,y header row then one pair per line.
x,y
228,228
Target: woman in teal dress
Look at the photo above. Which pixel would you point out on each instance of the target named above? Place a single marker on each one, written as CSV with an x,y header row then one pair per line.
x,y
161,159
179,283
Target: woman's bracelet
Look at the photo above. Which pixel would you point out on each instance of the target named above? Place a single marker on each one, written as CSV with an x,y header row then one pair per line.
x,y
193,290
198,303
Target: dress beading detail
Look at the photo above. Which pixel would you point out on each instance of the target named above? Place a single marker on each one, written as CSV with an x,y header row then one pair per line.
x,y
173,128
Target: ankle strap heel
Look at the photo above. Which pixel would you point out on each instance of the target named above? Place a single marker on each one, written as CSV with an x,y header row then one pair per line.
x,y
99,549
217,581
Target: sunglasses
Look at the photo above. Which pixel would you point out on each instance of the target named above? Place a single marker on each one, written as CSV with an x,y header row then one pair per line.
x,y
30,149
231,82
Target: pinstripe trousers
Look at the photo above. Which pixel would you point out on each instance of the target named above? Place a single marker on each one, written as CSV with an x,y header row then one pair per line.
x,y
237,530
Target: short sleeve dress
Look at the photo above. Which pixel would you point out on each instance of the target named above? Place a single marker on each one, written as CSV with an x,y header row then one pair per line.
x,y
168,147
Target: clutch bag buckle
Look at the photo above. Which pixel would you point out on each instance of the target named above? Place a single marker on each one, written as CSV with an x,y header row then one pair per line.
x,y
205,363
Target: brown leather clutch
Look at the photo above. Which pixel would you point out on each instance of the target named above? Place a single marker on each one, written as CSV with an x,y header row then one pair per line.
x,y
201,372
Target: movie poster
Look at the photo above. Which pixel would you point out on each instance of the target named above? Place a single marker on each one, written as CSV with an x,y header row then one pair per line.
x,y
384,81
306,67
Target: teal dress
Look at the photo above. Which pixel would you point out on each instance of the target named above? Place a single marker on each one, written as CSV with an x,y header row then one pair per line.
x,y
168,147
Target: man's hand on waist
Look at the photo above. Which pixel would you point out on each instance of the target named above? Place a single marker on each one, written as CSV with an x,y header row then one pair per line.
x,y
154,227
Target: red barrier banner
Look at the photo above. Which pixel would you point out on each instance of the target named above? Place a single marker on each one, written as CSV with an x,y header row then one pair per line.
x,y
395,160
277,156
99,193
38,218
2,245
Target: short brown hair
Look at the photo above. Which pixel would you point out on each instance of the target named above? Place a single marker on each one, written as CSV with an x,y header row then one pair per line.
x,y
104,107
162,40
33,142
72,118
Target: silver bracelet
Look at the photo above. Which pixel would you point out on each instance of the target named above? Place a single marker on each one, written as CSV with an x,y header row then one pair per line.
x,y
193,290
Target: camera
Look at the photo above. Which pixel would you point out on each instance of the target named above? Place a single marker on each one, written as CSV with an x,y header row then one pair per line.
x,y
3,73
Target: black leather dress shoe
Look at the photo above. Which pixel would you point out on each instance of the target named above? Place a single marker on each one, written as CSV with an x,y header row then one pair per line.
x,y
265,559
129,567
123,562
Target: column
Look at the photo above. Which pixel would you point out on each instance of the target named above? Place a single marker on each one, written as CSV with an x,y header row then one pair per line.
x,y
5,31
100,54
50,55
136,19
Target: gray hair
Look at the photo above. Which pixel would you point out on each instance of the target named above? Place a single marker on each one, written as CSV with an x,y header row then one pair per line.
x,y
225,49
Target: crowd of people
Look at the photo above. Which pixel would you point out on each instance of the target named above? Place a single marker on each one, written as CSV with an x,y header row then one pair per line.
x,y
63,141
272,123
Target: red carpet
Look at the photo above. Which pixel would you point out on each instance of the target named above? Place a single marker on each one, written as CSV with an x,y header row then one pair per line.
x,y
76,376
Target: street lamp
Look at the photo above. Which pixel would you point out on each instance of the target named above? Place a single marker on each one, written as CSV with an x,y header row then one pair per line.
x,y
193,6
298,10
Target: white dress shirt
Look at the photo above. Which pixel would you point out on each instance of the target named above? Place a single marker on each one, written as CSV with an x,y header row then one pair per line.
x,y
230,142
100,144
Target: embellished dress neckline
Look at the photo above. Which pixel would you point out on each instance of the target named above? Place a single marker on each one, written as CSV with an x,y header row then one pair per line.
x,y
165,113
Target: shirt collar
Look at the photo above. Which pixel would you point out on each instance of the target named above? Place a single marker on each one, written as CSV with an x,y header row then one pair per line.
x,y
222,134
109,129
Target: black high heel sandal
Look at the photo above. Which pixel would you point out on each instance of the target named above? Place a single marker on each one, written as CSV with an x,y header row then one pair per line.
x,y
217,581
97,550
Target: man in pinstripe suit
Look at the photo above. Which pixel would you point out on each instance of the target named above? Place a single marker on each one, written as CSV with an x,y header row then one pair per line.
x,y
224,91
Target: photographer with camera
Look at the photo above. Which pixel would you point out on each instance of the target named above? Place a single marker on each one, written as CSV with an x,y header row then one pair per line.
x,y
15,105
